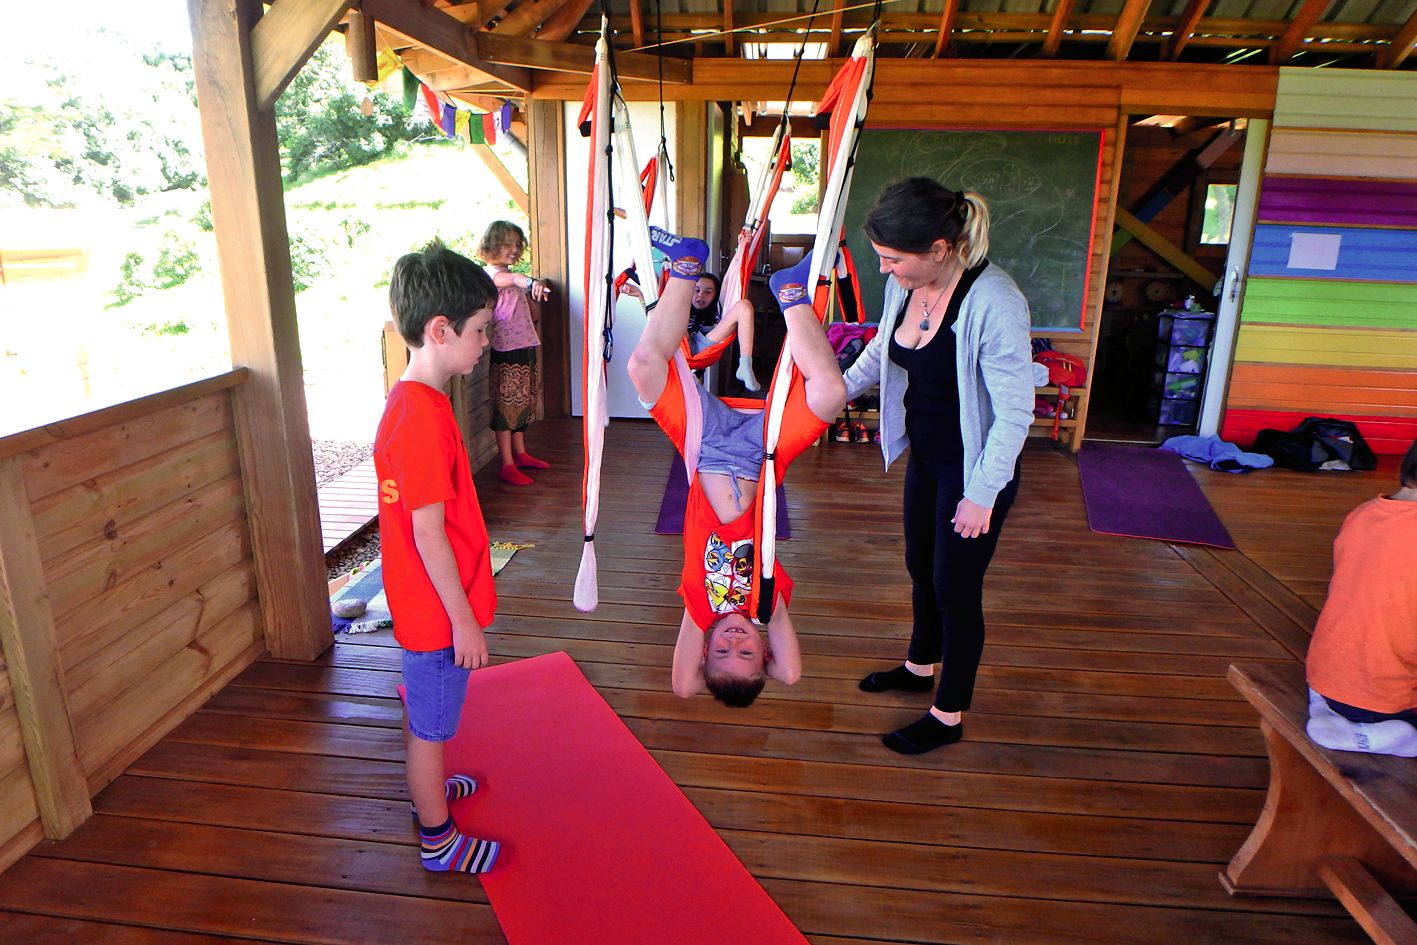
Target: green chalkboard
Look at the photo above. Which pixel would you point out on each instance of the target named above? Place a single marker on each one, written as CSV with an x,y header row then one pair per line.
x,y
1040,187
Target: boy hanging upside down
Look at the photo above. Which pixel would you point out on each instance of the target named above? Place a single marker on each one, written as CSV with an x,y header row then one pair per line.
x,y
719,646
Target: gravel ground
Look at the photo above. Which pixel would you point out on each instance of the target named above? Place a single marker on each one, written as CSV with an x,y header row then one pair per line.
x,y
334,458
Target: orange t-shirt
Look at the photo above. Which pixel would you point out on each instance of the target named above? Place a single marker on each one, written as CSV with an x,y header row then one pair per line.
x,y
718,577
1364,649
419,459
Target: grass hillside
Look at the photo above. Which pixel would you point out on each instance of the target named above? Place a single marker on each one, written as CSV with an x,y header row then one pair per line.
x,y
68,347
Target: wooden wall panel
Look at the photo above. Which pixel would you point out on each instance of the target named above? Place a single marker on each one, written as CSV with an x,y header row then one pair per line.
x,y
137,523
1330,303
1364,254
1368,100
1337,347
1326,201
1325,389
1352,154
1388,436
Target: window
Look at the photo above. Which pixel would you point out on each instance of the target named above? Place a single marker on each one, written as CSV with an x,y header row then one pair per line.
x,y
1219,213
795,209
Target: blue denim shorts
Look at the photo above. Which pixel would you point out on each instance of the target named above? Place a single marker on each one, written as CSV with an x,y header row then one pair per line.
x,y
434,689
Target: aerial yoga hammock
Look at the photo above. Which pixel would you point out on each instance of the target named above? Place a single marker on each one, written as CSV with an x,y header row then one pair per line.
x,y
846,100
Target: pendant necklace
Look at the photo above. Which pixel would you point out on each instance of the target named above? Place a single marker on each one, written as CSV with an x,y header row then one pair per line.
x,y
929,310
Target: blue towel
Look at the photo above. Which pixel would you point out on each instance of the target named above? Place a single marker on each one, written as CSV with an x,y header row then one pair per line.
x,y
1217,453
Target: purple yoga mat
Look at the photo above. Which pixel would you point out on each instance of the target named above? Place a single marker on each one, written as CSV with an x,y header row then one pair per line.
x,y
1146,493
676,499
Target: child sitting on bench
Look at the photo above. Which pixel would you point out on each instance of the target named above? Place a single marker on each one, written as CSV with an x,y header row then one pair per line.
x,y
1362,661
719,646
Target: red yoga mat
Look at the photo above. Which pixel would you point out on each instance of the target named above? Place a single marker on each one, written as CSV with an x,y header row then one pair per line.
x,y
601,846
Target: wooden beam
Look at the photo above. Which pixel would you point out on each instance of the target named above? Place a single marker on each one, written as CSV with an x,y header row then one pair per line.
x,y
575,59
1298,29
528,15
31,650
442,34
834,44
1167,250
1124,31
947,26
1401,46
504,176
546,180
637,22
1185,28
1061,10
284,38
564,22
253,248
360,42
487,10
728,43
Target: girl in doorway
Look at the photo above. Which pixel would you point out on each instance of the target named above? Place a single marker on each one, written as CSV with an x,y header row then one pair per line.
x,y
514,344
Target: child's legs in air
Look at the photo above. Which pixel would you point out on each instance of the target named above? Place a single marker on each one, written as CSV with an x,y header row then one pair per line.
x,y
669,319
739,318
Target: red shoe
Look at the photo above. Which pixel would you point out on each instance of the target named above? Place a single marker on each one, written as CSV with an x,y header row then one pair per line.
x,y
528,461
859,434
842,432
514,476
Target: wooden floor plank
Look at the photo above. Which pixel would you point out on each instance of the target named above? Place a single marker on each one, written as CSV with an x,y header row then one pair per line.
x,y
1107,771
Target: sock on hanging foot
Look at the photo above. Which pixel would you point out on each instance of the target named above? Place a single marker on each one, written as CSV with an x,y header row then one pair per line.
x,y
446,849
455,788
528,461
793,286
513,476
899,678
922,735
745,373
686,254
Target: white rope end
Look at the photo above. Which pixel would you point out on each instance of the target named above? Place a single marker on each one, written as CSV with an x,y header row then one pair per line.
x,y
586,596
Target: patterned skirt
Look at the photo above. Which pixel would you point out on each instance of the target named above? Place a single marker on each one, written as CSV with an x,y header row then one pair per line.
x,y
513,382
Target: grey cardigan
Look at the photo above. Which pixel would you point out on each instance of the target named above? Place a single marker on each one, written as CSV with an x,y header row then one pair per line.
x,y
993,356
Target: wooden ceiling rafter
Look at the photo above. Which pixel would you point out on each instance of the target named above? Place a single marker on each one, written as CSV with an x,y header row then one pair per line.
x,y
526,16
1402,44
1185,28
637,23
834,47
563,23
1124,31
947,25
1062,9
728,43
1295,34
284,38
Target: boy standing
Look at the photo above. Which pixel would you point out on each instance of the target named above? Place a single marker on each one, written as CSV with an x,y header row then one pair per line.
x,y
437,565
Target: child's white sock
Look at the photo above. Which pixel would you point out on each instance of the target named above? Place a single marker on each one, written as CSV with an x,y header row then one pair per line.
x,y
745,373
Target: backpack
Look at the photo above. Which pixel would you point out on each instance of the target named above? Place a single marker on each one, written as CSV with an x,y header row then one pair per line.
x,y
1066,371
1316,442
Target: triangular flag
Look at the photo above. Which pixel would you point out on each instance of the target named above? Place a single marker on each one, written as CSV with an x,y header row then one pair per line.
x,y
387,63
449,121
410,89
461,125
505,113
489,128
435,107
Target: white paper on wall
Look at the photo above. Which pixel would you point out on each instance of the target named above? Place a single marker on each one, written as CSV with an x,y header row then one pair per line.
x,y
1314,251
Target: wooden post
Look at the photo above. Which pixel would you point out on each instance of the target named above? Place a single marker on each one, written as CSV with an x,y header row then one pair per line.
x,y
248,208
32,658
690,164
546,179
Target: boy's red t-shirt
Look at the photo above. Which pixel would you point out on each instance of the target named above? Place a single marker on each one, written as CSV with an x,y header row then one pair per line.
x,y
717,578
419,459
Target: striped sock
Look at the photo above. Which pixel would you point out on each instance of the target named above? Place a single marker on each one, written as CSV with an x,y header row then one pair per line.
x,y
456,788
446,850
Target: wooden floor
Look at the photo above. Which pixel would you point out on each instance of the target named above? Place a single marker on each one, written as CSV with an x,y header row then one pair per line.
x,y
1107,773
347,504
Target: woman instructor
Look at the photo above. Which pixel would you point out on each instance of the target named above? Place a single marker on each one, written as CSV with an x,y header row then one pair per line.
x,y
953,361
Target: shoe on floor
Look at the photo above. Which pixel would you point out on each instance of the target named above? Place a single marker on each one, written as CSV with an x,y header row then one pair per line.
x,y
842,432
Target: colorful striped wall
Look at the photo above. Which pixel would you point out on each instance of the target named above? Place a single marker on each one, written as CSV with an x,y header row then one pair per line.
x,y
1328,325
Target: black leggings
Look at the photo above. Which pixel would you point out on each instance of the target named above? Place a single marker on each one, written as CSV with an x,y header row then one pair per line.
x,y
947,576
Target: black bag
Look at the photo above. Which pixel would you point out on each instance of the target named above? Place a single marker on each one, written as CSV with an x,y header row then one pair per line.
x,y
1316,441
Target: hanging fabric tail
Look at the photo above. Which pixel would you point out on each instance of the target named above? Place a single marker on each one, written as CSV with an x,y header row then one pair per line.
x,y
595,121
750,238
847,99
848,289
636,218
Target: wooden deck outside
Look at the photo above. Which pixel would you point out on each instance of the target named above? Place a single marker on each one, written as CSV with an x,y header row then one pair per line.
x,y
1108,771
347,504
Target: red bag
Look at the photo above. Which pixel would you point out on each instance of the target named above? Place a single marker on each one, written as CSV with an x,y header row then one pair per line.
x,y
1065,371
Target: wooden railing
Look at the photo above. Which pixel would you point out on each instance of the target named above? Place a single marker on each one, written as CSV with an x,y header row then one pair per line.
x,y
127,594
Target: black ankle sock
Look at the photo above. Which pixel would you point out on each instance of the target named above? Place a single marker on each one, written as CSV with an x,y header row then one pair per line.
x,y
924,734
898,678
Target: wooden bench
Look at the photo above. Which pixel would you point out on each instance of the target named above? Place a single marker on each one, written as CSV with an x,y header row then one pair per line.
x,y
1333,822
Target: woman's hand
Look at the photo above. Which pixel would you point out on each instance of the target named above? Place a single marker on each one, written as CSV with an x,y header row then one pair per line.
x,y
971,520
539,289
